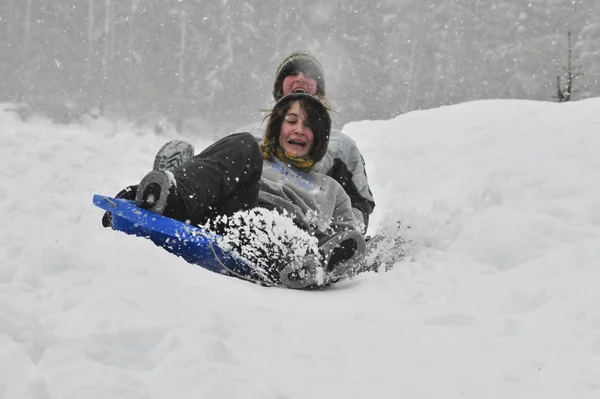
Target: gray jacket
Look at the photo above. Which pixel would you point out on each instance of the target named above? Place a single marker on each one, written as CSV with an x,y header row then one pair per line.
x,y
344,163
315,201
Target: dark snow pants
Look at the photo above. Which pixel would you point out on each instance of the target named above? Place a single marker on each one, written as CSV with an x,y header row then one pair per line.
x,y
222,179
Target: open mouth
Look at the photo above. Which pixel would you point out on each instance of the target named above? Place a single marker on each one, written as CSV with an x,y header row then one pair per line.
x,y
296,142
299,90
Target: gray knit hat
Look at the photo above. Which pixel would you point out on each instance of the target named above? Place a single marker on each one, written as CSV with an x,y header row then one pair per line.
x,y
299,61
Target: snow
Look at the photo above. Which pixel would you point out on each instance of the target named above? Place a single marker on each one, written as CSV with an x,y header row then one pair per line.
x,y
499,299
265,237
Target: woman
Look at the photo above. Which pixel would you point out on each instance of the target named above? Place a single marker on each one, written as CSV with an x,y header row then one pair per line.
x,y
237,174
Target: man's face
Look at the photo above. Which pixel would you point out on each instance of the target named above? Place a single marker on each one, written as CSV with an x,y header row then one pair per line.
x,y
298,82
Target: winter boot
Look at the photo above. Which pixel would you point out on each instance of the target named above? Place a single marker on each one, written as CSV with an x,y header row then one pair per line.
x,y
173,154
342,253
308,274
153,191
169,157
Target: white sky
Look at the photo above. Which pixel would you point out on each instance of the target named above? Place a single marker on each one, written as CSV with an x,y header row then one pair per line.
x,y
500,298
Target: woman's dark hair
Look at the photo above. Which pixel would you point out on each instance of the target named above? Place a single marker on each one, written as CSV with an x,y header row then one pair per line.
x,y
317,118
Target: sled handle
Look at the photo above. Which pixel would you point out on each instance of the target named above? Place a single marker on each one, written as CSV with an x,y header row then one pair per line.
x,y
104,202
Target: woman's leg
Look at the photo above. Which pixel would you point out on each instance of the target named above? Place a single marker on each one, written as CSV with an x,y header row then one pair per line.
x,y
222,179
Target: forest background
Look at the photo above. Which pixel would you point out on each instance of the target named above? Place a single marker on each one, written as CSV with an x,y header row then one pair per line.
x,y
208,66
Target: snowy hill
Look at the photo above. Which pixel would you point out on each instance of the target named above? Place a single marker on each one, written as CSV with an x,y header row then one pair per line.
x,y
499,299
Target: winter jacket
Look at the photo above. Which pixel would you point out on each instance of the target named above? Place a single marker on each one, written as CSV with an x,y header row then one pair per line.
x,y
315,201
345,164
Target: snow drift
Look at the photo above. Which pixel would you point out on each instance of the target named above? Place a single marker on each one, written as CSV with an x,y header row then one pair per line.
x,y
499,297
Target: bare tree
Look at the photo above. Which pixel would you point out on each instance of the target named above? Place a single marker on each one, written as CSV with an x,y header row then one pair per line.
x,y
27,25
563,94
25,50
90,44
107,54
181,72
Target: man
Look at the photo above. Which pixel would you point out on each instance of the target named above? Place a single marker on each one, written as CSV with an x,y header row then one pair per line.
x,y
301,72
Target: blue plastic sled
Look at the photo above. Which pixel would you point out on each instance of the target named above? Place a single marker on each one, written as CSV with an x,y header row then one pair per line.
x,y
195,245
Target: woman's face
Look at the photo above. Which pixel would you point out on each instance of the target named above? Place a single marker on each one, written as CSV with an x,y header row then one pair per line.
x,y
296,137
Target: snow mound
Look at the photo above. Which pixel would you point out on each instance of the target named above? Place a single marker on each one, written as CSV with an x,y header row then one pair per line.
x,y
496,296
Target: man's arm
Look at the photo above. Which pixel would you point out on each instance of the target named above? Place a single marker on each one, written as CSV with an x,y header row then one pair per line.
x,y
346,165
344,216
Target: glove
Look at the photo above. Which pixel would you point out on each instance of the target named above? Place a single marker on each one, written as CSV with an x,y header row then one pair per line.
x,y
153,191
127,193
